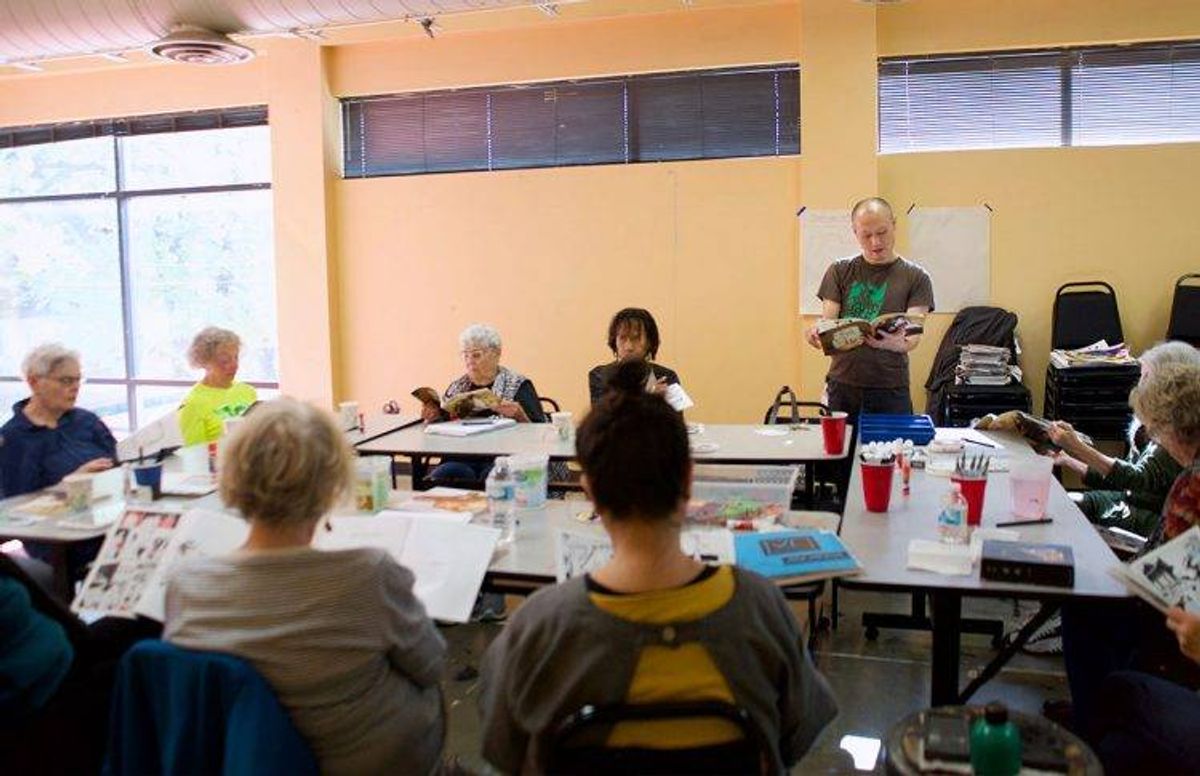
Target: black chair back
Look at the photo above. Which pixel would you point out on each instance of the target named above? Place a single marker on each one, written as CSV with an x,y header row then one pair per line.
x,y
1185,311
787,409
577,745
1084,313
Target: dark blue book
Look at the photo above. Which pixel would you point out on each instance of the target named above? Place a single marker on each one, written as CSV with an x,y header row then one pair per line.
x,y
794,555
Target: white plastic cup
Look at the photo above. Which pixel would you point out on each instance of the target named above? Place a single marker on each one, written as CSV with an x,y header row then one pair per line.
x,y
564,424
231,424
348,415
78,488
1029,485
530,475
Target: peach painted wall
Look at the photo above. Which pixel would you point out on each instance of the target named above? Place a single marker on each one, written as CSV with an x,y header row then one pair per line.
x,y
549,255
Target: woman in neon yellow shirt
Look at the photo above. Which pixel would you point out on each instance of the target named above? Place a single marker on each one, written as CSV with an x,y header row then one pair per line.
x,y
217,397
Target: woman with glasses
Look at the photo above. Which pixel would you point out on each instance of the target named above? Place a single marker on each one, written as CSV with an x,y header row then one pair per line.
x,y
480,344
49,437
218,396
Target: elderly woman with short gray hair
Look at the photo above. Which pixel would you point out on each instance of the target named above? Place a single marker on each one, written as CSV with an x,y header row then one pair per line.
x,y
338,634
217,397
481,348
49,437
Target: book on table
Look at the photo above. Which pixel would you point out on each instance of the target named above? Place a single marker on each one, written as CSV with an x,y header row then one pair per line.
x,y
1169,575
785,556
839,335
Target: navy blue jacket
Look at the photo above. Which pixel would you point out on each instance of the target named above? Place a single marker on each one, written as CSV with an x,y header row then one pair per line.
x,y
34,457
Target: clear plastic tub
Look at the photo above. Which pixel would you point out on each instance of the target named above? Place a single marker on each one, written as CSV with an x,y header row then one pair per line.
x,y
721,493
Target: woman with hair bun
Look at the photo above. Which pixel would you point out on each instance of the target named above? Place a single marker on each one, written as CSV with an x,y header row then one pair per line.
x,y
653,624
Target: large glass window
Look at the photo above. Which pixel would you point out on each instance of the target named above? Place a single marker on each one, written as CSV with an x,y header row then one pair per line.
x,y
124,240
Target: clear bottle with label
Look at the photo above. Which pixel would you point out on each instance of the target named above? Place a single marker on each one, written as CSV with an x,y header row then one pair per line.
x,y
501,490
952,520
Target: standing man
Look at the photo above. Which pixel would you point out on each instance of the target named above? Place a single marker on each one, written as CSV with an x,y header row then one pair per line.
x,y
872,378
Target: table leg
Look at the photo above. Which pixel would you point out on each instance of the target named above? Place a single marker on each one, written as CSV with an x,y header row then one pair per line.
x,y
947,617
59,564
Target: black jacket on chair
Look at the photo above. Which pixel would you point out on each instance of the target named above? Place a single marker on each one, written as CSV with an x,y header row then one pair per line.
x,y
971,326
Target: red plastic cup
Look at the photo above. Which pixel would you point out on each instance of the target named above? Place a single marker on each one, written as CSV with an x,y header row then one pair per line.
x,y
877,485
972,490
833,428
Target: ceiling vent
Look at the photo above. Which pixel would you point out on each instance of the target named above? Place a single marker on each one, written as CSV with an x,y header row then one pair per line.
x,y
198,46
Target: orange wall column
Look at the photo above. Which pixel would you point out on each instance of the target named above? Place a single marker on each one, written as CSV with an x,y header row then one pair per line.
x,y
839,124
305,162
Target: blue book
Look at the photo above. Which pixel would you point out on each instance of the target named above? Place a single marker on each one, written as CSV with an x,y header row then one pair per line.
x,y
794,555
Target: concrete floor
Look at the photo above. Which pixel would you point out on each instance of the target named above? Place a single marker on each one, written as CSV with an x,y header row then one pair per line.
x,y
876,683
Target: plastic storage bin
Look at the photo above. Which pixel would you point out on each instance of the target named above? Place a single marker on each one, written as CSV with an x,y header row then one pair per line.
x,y
731,492
885,428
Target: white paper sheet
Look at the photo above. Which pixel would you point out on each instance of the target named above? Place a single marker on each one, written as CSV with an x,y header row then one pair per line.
x,y
577,552
678,398
825,237
448,558
456,428
953,244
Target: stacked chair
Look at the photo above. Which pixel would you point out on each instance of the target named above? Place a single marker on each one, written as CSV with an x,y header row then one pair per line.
x,y
1093,399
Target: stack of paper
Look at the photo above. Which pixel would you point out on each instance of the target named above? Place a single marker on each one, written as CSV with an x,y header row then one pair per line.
x,y
985,365
1099,353
471,427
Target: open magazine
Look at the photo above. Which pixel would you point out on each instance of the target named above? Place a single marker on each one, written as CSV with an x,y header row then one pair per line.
x,y
841,334
463,405
448,557
1168,575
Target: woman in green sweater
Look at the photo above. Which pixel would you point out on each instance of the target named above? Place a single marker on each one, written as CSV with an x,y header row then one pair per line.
x,y
217,397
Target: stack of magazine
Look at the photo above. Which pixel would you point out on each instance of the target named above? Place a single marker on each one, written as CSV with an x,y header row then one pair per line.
x,y
985,365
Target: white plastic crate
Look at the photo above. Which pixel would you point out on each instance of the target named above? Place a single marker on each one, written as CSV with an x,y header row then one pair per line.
x,y
731,484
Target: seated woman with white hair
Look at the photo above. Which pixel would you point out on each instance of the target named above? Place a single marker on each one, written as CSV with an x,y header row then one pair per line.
x,y
481,349
217,397
49,437
338,634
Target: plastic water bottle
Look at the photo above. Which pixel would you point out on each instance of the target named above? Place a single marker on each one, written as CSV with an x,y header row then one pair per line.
x,y
502,498
952,520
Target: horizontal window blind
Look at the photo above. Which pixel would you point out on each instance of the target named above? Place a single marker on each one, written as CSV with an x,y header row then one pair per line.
x,y
671,116
1146,94
138,125
1108,95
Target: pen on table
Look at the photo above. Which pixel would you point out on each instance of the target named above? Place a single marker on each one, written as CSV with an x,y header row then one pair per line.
x,y
980,442
362,424
1016,523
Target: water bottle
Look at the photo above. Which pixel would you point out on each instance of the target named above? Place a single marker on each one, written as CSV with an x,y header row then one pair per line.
x,y
501,495
995,743
952,520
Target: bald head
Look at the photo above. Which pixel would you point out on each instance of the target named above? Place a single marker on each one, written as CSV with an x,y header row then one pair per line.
x,y
873,205
874,226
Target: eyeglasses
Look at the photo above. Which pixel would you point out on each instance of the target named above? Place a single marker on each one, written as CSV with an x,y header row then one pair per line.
x,y
68,381
473,355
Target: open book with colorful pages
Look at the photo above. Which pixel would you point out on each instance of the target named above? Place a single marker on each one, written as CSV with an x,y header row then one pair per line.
x,y
838,335
140,550
1169,575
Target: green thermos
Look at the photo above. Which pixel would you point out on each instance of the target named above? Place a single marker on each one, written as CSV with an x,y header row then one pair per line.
x,y
995,743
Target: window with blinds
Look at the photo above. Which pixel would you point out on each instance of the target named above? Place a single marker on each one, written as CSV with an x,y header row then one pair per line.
x,y
1111,95
708,114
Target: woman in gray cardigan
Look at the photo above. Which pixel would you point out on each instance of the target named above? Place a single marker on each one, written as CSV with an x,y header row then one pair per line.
x,y
651,625
338,634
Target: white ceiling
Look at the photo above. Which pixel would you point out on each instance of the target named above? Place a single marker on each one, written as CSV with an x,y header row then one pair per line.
x,y
34,30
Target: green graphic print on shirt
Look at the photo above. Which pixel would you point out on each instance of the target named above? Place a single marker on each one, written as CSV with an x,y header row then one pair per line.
x,y
864,300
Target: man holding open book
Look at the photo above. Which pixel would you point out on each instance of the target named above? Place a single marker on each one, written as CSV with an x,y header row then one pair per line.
x,y
873,305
